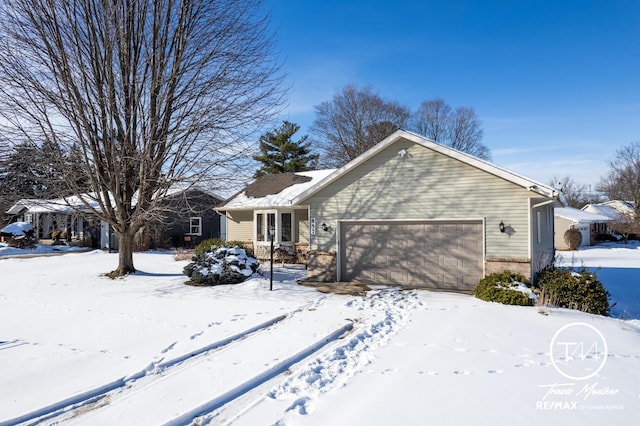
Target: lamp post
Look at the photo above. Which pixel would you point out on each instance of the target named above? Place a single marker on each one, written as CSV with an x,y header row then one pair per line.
x,y
272,231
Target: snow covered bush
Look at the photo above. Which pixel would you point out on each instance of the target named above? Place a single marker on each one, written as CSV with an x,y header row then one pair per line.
x,y
507,288
575,289
20,235
221,265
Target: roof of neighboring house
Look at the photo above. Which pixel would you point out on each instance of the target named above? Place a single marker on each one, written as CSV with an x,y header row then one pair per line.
x,y
613,209
579,216
76,203
486,166
278,190
58,205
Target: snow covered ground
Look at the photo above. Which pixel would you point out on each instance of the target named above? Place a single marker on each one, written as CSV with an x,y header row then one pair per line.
x,y
79,348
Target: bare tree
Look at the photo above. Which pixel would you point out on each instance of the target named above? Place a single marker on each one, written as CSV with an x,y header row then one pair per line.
x,y
623,180
623,183
459,129
150,92
354,121
574,193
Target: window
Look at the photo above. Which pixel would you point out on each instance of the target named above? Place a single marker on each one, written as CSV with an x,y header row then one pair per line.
x,y
260,227
195,226
276,222
271,225
28,217
285,227
265,222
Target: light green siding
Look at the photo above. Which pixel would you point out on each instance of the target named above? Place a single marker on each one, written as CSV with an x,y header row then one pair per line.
x,y
424,184
302,226
240,225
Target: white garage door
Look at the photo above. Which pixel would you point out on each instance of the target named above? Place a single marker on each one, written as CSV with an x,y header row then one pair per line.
x,y
443,255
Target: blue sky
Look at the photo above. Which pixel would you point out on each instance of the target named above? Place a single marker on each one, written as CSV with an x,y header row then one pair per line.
x,y
556,84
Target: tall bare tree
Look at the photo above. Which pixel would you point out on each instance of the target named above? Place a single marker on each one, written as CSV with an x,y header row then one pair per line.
x,y
623,180
354,121
459,129
623,183
151,92
575,194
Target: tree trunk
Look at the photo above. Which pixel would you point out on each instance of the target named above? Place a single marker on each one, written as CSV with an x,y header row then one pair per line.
x,y
125,254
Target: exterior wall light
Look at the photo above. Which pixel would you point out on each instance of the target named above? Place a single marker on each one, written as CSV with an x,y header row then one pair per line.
x,y
501,227
325,227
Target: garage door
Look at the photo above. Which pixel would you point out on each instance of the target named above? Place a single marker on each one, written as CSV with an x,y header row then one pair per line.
x,y
429,254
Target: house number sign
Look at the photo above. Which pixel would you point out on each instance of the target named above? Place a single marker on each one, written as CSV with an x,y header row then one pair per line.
x,y
312,226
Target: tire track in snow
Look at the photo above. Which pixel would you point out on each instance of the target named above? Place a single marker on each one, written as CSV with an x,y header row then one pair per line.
x,y
334,369
85,401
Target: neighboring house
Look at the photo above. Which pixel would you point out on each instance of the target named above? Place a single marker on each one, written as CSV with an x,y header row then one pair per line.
x,y
68,216
188,218
617,210
589,224
622,214
409,212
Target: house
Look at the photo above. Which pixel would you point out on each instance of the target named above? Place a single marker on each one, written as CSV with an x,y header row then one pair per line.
x,y
622,215
186,217
589,224
409,212
616,210
68,218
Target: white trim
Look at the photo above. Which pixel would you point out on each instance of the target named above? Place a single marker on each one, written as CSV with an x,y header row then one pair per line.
x,y
277,212
199,219
530,231
500,172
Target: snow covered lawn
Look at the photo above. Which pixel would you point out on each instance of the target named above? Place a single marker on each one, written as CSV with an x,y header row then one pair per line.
x,y
148,349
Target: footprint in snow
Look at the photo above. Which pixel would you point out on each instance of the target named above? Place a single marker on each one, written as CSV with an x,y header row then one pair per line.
x,y
197,335
496,371
300,405
462,372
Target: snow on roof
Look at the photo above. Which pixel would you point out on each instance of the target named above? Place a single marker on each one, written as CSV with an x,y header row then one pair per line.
x,y
579,216
58,205
283,197
80,202
613,209
17,228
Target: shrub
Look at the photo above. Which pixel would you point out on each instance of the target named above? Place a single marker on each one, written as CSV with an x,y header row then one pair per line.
x,y
575,289
506,287
605,238
207,246
573,238
27,241
221,265
213,243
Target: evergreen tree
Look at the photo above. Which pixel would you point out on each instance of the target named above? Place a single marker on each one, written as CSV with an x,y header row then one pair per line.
x,y
280,154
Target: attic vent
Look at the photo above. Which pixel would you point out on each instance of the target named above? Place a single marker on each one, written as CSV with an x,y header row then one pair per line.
x,y
274,184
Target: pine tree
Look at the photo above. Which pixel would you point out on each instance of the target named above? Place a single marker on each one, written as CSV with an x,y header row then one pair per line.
x,y
280,154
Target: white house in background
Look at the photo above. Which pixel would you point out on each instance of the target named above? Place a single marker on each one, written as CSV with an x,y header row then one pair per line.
x,y
616,210
47,216
589,224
